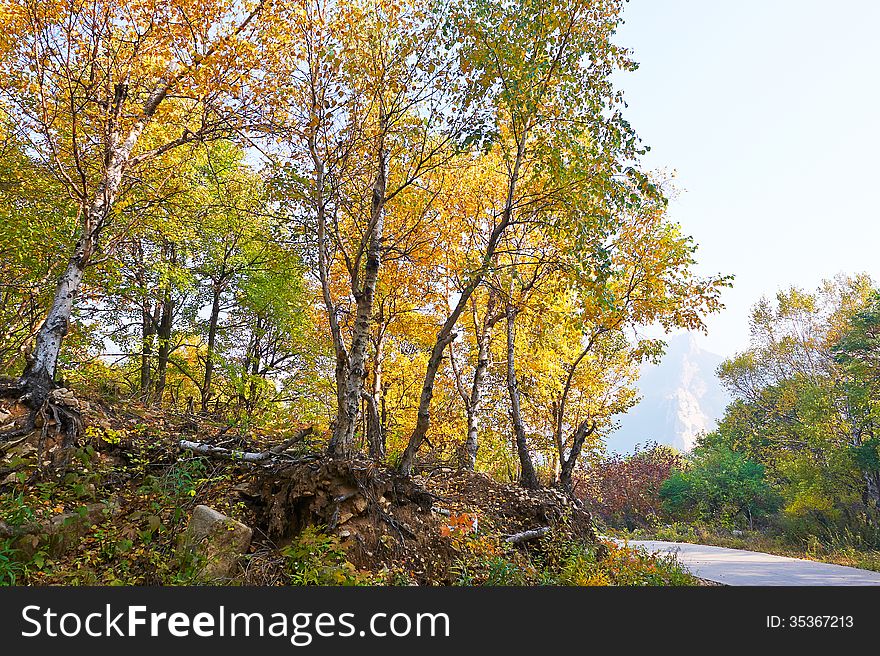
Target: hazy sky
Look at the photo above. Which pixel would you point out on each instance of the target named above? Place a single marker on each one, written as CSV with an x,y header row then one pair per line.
x,y
769,112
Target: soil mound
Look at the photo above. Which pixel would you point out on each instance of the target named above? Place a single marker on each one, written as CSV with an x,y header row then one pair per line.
x,y
385,520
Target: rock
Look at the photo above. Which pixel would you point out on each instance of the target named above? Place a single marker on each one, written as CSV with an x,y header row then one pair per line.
x,y
360,504
219,542
62,532
22,450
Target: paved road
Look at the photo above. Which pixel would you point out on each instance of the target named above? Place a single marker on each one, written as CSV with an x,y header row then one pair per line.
x,y
738,567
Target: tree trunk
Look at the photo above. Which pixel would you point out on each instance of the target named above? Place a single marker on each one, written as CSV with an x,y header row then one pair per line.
x,y
565,468
375,434
375,427
584,430
423,420
164,348
48,343
872,490
54,328
212,337
445,336
254,370
148,332
475,403
246,370
339,349
343,437
527,477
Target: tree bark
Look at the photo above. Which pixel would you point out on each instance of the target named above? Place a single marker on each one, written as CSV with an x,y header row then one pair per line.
x,y
246,456
475,403
340,351
527,476
343,438
212,337
872,489
584,430
55,326
471,444
375,434
148,332
525,536
163,334
375,427
444,338
254,369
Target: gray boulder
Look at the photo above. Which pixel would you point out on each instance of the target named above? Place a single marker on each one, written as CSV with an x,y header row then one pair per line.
x,y
218,541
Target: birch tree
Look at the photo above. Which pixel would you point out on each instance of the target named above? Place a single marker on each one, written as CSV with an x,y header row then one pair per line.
x,y
101,90
374,103
545,68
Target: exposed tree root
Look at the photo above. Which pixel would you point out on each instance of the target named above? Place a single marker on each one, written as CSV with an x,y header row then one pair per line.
x,y
48,406
386,520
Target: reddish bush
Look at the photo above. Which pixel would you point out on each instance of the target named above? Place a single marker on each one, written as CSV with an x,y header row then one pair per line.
x,y
624,489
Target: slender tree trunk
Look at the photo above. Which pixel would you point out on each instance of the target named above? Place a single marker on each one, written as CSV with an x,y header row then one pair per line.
x,y
246,370
343,438
148,332
54,328
565,468
584,430
375,434
146,352
423,419
340,351
212,338
375,427
164,348
557,440
527,477
148,324
445,336
471,445
254,370
872,489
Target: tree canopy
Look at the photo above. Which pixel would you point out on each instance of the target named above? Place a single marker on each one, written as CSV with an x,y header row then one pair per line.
x,y
420,225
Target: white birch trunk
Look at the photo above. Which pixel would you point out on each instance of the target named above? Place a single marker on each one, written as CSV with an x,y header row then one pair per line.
x,y
55,326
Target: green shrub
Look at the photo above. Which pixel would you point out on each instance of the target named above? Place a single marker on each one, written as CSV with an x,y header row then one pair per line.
x,y
317,558
720,485
14,509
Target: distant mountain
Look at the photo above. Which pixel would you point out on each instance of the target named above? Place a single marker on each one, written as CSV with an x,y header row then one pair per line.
x,y
681,398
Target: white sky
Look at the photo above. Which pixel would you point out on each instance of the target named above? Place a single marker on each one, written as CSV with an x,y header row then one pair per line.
x,y
769,111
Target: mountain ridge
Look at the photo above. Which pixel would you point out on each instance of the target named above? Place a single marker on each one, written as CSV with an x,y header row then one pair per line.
x,y
681,398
